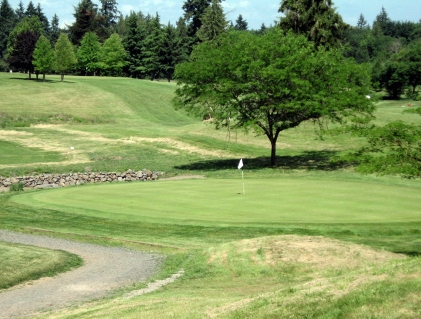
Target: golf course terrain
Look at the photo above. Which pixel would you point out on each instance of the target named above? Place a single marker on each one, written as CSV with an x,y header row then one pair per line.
x,y
309,238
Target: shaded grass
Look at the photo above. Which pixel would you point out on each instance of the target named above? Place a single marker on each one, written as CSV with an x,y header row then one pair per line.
x,y
20,263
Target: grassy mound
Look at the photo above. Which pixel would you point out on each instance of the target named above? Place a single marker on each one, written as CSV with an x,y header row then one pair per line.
x,y
20,263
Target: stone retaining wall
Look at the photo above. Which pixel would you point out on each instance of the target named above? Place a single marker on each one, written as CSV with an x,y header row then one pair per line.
x,y
72,179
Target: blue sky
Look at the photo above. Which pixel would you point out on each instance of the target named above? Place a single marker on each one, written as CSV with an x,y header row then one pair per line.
x,y
255,12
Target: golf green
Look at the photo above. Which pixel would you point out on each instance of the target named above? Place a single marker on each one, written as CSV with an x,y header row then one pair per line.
x,y
222,202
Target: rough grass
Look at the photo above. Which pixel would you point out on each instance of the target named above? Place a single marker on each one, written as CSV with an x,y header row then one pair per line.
x,y
20,263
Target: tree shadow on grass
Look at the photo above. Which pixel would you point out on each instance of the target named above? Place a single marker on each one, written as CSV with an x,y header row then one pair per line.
x,y
41,81
310,160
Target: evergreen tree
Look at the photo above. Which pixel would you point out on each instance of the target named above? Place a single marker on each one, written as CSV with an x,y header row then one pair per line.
x,y
85,21
133,43
20,11
184,40
383,21
65,56
31,11
240,24
213,22
316,19
113,56
43,56
362,23
8,20
89,53
55,29
172,51
21,44
44,21
107,19
153,50
193,12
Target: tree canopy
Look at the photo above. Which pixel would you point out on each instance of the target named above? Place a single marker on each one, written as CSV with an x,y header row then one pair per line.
x,y
270,83
65,57
43,56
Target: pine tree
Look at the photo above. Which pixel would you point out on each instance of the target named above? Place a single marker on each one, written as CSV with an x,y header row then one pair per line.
x,y
20,11
31,11
55,29
43,56
85,21
65,56
43,19
153,50
316,19
8,20
133,43
240,24
213,22
172,51
184,40
193,12
89,53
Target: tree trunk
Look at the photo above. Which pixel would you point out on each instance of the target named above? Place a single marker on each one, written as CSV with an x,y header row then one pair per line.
x,y
273,153
62,77
43,77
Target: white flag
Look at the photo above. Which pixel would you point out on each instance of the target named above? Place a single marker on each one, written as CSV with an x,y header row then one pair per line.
x,y
240,164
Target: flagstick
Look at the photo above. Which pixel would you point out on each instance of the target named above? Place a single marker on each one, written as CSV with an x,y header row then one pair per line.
x,y
244,189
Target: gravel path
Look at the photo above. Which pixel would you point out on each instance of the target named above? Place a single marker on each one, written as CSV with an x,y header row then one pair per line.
x,y
104,269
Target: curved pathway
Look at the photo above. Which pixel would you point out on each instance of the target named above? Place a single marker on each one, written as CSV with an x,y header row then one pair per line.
x,y
104,269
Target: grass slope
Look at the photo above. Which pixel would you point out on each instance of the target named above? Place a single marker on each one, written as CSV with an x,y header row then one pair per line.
x,y
309,239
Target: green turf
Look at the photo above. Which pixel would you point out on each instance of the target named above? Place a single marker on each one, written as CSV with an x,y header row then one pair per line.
x,y
13,153
221,202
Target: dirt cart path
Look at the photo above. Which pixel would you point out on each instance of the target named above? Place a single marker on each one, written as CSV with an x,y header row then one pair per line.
x,y
104,269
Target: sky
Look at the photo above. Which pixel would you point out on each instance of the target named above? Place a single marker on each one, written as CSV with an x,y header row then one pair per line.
x,y
255,12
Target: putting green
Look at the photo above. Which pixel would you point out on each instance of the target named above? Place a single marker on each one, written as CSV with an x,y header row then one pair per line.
x,y
221,202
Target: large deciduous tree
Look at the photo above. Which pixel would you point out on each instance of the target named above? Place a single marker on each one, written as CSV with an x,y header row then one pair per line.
x,y
316,19
270,83
65,56
43,56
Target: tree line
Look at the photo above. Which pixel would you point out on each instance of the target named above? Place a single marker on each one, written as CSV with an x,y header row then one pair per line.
x,y
145,48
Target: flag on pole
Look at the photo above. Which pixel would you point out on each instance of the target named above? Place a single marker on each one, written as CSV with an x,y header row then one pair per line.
x,y
240,165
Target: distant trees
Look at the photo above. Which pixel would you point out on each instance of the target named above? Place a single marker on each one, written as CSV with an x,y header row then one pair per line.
x,y
112,56
21,44
8,20
213,22
270,83
240,24
317,20
89,53
85,21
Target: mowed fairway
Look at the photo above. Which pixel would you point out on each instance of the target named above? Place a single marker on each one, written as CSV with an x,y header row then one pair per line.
x,y
221,202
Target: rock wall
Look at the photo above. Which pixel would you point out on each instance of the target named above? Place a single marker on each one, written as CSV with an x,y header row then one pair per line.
x,y
72,179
